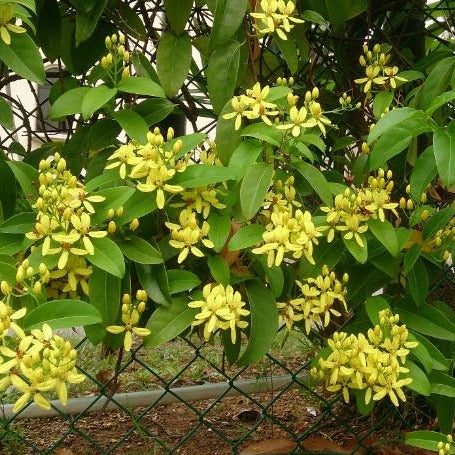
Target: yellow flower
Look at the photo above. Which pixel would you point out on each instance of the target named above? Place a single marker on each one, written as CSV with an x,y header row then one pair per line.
x,y
126,156
299,120
221,308
6,14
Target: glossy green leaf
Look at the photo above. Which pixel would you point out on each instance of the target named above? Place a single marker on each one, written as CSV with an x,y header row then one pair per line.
x,y
219,269
140,86
137,206
289,52
154,110
86,21
154,280
425,439
19,224
6,114
316,179
129,21
374,305
262,132
69,103
62,314
245,154
28,178
420,382
385,233
108,257
188,143
313,16
360,253
440,101
23,57
114,197
246,237
49,29
418,282
139,250
182,280
411,257
439,362
381,103
263,322
254,188
178,13
173,61
167,322
423,172
8,269
95,99
437,222
220,227
133,124
8,191
201,175
444,153
442,384
222,72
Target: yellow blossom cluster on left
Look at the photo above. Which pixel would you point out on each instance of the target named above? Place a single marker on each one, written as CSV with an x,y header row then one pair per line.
x,y
7,24
373,363
63,223
316,301
36,363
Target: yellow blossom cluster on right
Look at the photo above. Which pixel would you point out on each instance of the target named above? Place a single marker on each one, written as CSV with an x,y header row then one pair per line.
x,y
33,363
316,301
373,363
131,315
117,59
275,16
221,308
354,207
445,448
376,70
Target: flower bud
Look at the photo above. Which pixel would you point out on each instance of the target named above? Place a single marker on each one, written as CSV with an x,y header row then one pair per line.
x,y
376,48
20,274
119,211
37,287
30,272
126,299
110,214
5,288
170,133
177,146
425,214
109,59
42,268
108,42
121,50
409,204
111,227
134,224
141,307
291,81
125,73
121,38
114,39
402,203
126,57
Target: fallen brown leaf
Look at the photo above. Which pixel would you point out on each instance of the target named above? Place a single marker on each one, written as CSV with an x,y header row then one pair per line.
x,y
322,445
270,446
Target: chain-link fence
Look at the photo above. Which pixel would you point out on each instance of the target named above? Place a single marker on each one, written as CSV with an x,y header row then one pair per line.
x,y
184,398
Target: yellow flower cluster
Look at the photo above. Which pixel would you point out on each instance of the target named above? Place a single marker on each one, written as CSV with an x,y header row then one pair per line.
x,y
373,363
6,14
151,165
288,232
282,197
376,70
445,448
186,235
254,105
308,116
34,363
131,314
315,305
117,58
353,208
221,308
28,280
63,221
275,16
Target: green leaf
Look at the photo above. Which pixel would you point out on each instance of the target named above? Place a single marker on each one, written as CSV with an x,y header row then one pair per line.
x,y
8,192
444,153
316,179
108,257
86,22
154,280
439,362
245,237
313,16
6,114
381,102
373,306
140,86
421,353
219,269
11,243
445,412
442,384
154,110
426,320
7,269
222,72
411,257
28,178
418,282
263,322
167,322
289,51
105,295
128,21
439,101
62,314
423,172
227,138
201,175
19,224
49,29
229,15
114,198
385,233
137,206
420,382
359,253
173,61
220,227
182,280
23,57
254,187
139,250
436,82
263,132
244,155
437,222
133,124
143,67
189,143
425,439
69,103
95,99
178,13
